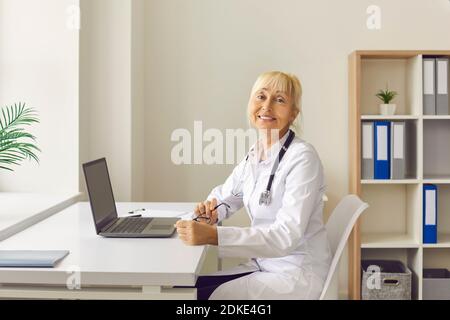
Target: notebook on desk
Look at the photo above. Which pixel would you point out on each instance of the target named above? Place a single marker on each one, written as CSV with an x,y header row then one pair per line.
x,y
31,258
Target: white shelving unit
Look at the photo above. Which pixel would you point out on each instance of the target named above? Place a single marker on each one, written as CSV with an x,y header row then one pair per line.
x,y
392,226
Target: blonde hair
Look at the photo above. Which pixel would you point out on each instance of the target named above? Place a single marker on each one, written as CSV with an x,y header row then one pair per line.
x,y
285,82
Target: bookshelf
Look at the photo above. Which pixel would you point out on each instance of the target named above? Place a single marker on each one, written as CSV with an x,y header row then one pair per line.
x,y
392,226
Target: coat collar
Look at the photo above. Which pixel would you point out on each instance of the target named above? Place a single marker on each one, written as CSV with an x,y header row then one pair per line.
x,y
272,153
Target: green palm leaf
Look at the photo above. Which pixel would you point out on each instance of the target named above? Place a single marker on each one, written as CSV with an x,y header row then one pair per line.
x,y
16,145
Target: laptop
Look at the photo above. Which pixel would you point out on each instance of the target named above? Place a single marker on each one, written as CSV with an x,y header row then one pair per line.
x,y
103,206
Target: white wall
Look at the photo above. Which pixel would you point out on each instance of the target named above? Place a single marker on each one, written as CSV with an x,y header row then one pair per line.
x,y
39,66
105,90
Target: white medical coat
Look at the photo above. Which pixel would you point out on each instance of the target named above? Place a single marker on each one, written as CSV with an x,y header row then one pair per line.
x,y
286,243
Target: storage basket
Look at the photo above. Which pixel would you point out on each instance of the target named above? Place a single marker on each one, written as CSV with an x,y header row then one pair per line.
x,y
436,284
385,280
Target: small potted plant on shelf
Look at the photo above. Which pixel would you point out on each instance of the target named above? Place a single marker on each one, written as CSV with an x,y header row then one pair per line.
x,y
387,108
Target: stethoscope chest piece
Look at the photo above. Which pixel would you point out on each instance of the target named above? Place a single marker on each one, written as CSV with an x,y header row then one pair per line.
x,y
265,198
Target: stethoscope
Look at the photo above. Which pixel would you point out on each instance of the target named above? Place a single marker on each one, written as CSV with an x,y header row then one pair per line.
x,y
265,197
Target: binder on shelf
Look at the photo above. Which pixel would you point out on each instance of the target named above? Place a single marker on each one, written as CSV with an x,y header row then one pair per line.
x,y
442,86
430,213
429,87
398,150
367,161
382,149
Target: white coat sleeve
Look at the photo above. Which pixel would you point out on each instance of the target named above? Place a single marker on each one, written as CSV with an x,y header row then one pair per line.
x,y
281,237
224,192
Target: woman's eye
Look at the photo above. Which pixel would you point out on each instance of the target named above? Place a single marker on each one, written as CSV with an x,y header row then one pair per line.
x,y
259,96
280,100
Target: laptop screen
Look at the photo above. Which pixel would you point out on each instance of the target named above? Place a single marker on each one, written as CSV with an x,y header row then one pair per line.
x,y
100,192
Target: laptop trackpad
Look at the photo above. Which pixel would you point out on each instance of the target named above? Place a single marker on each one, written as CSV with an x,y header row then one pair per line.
x,y
158,228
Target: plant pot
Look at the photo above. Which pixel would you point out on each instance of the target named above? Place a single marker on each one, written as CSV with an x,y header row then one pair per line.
x,y
388,109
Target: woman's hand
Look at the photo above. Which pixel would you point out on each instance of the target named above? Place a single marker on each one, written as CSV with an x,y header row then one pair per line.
x,y
206,213
196,233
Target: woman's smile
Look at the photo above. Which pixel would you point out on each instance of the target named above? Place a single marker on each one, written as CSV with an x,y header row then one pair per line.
x,y
266,118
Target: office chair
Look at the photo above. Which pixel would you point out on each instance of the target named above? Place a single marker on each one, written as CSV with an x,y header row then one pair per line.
x,y
339,227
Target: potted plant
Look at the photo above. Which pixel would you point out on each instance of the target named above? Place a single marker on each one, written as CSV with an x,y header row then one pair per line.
x,y
387,108
16,144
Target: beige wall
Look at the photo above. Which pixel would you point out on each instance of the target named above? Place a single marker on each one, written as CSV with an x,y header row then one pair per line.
x,y
39,66
197,60
112,84
203,56
138,123
105,90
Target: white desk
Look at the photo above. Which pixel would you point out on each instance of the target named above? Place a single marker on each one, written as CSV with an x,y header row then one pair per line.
x,y
19,210
108,268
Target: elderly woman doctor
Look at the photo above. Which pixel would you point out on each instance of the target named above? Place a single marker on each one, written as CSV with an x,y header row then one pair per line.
x,y
280,182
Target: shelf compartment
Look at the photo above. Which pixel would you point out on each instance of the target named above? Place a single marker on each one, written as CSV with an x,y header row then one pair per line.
x,y
436,153
443,241
436,258
412,129
394,214
388,240
410,257
437,179
443,218
438,112
443,222
438,117
401,75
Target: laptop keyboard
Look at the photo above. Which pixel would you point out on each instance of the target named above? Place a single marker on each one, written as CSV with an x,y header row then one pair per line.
x,y
131,225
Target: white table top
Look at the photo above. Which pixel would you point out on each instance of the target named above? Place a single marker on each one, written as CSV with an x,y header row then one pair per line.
x,y
20,210
105,261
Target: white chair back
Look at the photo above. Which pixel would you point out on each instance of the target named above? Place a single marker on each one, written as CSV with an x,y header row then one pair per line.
x,y
339,227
